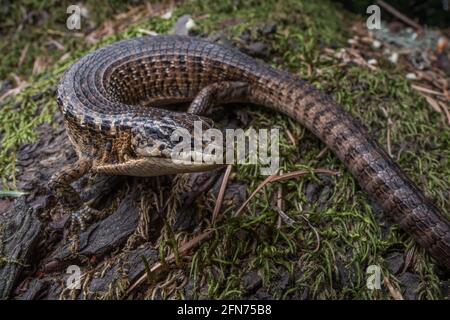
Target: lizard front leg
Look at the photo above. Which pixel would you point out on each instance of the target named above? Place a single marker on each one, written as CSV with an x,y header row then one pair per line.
x,y
60,185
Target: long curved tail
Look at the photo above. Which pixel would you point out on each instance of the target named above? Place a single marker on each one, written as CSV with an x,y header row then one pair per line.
x,y
375,171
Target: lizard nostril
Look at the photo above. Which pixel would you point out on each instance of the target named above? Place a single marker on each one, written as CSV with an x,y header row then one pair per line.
x,y
162,147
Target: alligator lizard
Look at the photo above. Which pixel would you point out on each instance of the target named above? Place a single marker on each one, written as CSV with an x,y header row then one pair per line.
x,y
108,100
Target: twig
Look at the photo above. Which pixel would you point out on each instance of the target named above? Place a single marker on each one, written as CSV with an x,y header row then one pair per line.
x,y
426,90
400,15
287,176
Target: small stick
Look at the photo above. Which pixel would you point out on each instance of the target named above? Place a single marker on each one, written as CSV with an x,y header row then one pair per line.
x,y
426,90
400,15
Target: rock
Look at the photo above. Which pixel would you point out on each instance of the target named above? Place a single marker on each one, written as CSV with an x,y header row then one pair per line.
x,y
269,28
376,44
246,36
446,289
325,195
410,283
251,282
311,192
183,25
393,58
167,15
284,280
394,262
258,50
189,293
262,294
411,76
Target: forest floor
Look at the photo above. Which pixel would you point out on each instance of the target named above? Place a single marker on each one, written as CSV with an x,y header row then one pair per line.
x,y
158,239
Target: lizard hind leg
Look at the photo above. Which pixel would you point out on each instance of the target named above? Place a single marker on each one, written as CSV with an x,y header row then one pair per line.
x,y
219,92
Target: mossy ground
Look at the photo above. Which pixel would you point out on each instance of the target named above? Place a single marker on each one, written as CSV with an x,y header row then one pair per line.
x,y
341,217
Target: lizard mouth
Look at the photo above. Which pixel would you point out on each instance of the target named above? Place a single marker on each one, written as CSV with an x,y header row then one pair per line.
x,y
198,151
154,166
158,149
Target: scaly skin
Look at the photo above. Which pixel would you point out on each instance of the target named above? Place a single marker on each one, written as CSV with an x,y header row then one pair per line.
x,y
106,99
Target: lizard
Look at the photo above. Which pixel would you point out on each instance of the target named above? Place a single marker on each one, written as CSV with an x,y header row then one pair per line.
x,y
111,101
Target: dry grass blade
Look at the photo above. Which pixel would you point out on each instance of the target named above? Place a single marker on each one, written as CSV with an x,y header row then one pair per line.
x,y
409,258
446,111
322,153
23,54
388,137
284,217
288,220
393,291
426,90
433,103
21,84
291,137
286,176
221,194
280,202
316,233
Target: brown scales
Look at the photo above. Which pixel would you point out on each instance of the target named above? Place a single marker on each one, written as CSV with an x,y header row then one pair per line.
x,y
105,96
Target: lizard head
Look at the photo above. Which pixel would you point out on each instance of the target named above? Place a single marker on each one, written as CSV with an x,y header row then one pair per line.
x,y
175,142
152,140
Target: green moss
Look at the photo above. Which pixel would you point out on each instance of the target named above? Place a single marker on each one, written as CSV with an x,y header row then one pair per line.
x,y
32,23
351,235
